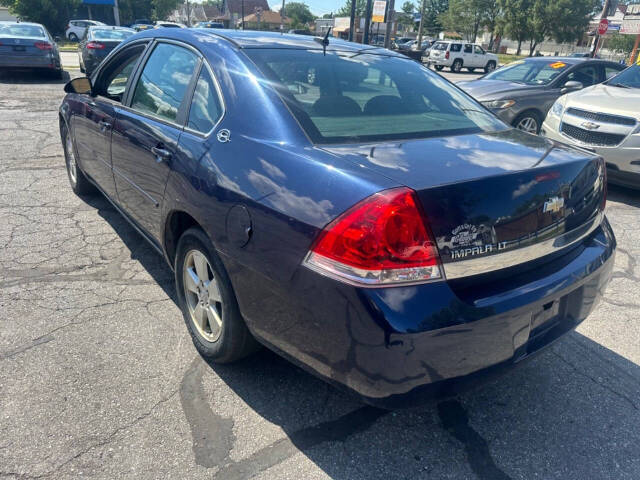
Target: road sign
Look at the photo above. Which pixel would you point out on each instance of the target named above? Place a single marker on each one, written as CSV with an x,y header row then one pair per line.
x,y
603,26
379,9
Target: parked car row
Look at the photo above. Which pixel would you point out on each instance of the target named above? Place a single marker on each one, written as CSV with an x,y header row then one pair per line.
x,y
76,29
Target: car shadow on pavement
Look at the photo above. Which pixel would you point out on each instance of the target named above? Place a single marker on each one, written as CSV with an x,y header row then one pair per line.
x,y
20,77
624,195
571,412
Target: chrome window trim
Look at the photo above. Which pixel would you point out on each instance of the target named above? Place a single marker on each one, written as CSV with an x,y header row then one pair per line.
x,y
511,258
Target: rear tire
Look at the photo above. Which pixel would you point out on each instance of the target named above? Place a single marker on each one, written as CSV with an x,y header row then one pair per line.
x,y
73,37
490,67
456,66
207,301
529,122
471,69
79,183
438,67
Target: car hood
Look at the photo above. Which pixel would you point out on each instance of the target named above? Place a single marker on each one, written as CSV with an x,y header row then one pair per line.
x,y
606,99
485,89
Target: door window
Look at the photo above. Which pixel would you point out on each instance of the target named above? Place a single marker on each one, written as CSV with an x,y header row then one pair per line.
x,y
611,71
478,49
586,75
113,78
468,48
164,81
206,107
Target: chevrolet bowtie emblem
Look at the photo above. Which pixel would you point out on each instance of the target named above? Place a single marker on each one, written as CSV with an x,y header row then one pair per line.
x,y
554,204
590,125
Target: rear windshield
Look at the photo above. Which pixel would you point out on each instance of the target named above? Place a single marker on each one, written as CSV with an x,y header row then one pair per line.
x,y
108,34
346,97
440,46
17,30
529,72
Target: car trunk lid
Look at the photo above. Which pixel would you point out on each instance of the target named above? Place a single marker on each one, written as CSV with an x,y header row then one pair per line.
x,y
506,195
22,46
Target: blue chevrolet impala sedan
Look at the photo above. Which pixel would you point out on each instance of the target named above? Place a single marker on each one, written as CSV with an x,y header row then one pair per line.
x,y
342,205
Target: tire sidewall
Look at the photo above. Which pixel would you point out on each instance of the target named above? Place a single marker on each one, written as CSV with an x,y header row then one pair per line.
x,y
489,66
456,66
221,349
529,114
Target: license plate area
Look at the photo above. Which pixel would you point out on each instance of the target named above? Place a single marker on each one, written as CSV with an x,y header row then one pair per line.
x,y
545,318
19,48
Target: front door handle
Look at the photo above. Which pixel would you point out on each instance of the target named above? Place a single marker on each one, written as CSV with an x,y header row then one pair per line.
x,y
161,153
104,126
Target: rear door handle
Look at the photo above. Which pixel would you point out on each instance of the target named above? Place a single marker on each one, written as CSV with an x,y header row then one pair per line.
x,y
104,126
161,153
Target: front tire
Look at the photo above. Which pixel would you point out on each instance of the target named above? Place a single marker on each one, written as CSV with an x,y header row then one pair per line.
x,y
456,66
490,67
529,122
207,301
79,183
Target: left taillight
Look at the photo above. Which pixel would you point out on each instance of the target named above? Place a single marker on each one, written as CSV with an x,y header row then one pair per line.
x,y
95,46
43,45
384,240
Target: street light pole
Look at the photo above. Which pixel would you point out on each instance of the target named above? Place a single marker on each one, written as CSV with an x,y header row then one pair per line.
x,y
282,18
242,14
596,40
422,7
116,13
367,23
390,15
352,22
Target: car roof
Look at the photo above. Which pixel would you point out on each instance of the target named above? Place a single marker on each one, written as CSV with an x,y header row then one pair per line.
x,y
271,40
13,22
109,27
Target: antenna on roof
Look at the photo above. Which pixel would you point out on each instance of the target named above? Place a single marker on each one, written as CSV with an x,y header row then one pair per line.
x,y
324,41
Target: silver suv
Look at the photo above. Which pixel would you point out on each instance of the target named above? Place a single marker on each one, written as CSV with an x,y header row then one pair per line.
x,y
458,55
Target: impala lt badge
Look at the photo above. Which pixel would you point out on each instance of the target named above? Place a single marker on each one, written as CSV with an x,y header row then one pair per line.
x,y
554,204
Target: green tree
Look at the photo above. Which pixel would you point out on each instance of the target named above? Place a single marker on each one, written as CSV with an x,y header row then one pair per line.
x,y
299,13
514,21
466,17
162,8
492,21
53,14
431,25
620,42
345,10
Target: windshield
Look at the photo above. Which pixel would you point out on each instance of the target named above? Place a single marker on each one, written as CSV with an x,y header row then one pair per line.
x,y
111,35
528,72
17,30
343,98
440,46
628,78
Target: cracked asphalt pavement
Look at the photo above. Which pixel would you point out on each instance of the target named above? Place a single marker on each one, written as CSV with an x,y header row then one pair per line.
x,y
99,379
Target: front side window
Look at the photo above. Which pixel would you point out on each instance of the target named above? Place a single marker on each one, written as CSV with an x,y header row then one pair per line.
x,y
587,75
164,81
610,72
478,50
206,107
529,72
468,48
113,79
341,98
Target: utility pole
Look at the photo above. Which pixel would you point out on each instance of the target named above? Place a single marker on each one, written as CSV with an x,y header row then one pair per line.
x,y
116,13
282,18
390,15
367,22
596,39
352,22
242,13
188,14
422,7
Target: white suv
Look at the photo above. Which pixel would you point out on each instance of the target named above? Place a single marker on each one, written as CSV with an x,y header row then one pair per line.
x,y
458,55
604,119
75,29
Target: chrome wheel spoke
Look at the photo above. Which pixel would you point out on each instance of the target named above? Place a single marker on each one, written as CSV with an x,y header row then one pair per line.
x,y
215,322
200,262
191,280
214,292
200,316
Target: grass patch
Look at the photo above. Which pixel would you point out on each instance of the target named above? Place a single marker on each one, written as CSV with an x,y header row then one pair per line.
x,y
504,58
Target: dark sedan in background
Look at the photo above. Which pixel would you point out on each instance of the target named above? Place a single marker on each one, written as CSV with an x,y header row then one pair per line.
x,y
352,210
522,92
97,43
28,46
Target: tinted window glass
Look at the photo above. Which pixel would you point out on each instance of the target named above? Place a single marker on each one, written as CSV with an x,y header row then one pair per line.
x,y
113,79
587,75
111,35
478,50
468,48
164,80
440,46
341,98
611,71
17,30
206,108
529,72
456,47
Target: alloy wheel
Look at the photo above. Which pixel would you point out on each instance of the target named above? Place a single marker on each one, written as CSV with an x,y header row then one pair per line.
x,y
72,166
202,295
528,124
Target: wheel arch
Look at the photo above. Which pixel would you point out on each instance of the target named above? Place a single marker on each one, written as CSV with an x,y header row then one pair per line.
x,y
176,223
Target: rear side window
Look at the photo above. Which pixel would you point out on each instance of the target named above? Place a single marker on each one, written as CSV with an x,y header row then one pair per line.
x,y
456,47
206,107
610,72
341,98
164,81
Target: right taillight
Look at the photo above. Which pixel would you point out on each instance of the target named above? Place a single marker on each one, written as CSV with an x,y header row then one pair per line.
x,y
95,46
381,241
446,55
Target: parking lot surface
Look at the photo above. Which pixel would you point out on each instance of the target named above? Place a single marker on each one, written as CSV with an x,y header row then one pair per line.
x,y
99,379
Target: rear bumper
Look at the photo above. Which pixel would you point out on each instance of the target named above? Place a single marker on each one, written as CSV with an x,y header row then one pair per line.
x,y
397,346
36,61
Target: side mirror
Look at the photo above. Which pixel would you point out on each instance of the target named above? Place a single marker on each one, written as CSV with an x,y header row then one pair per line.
x,y
571,86
81,85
